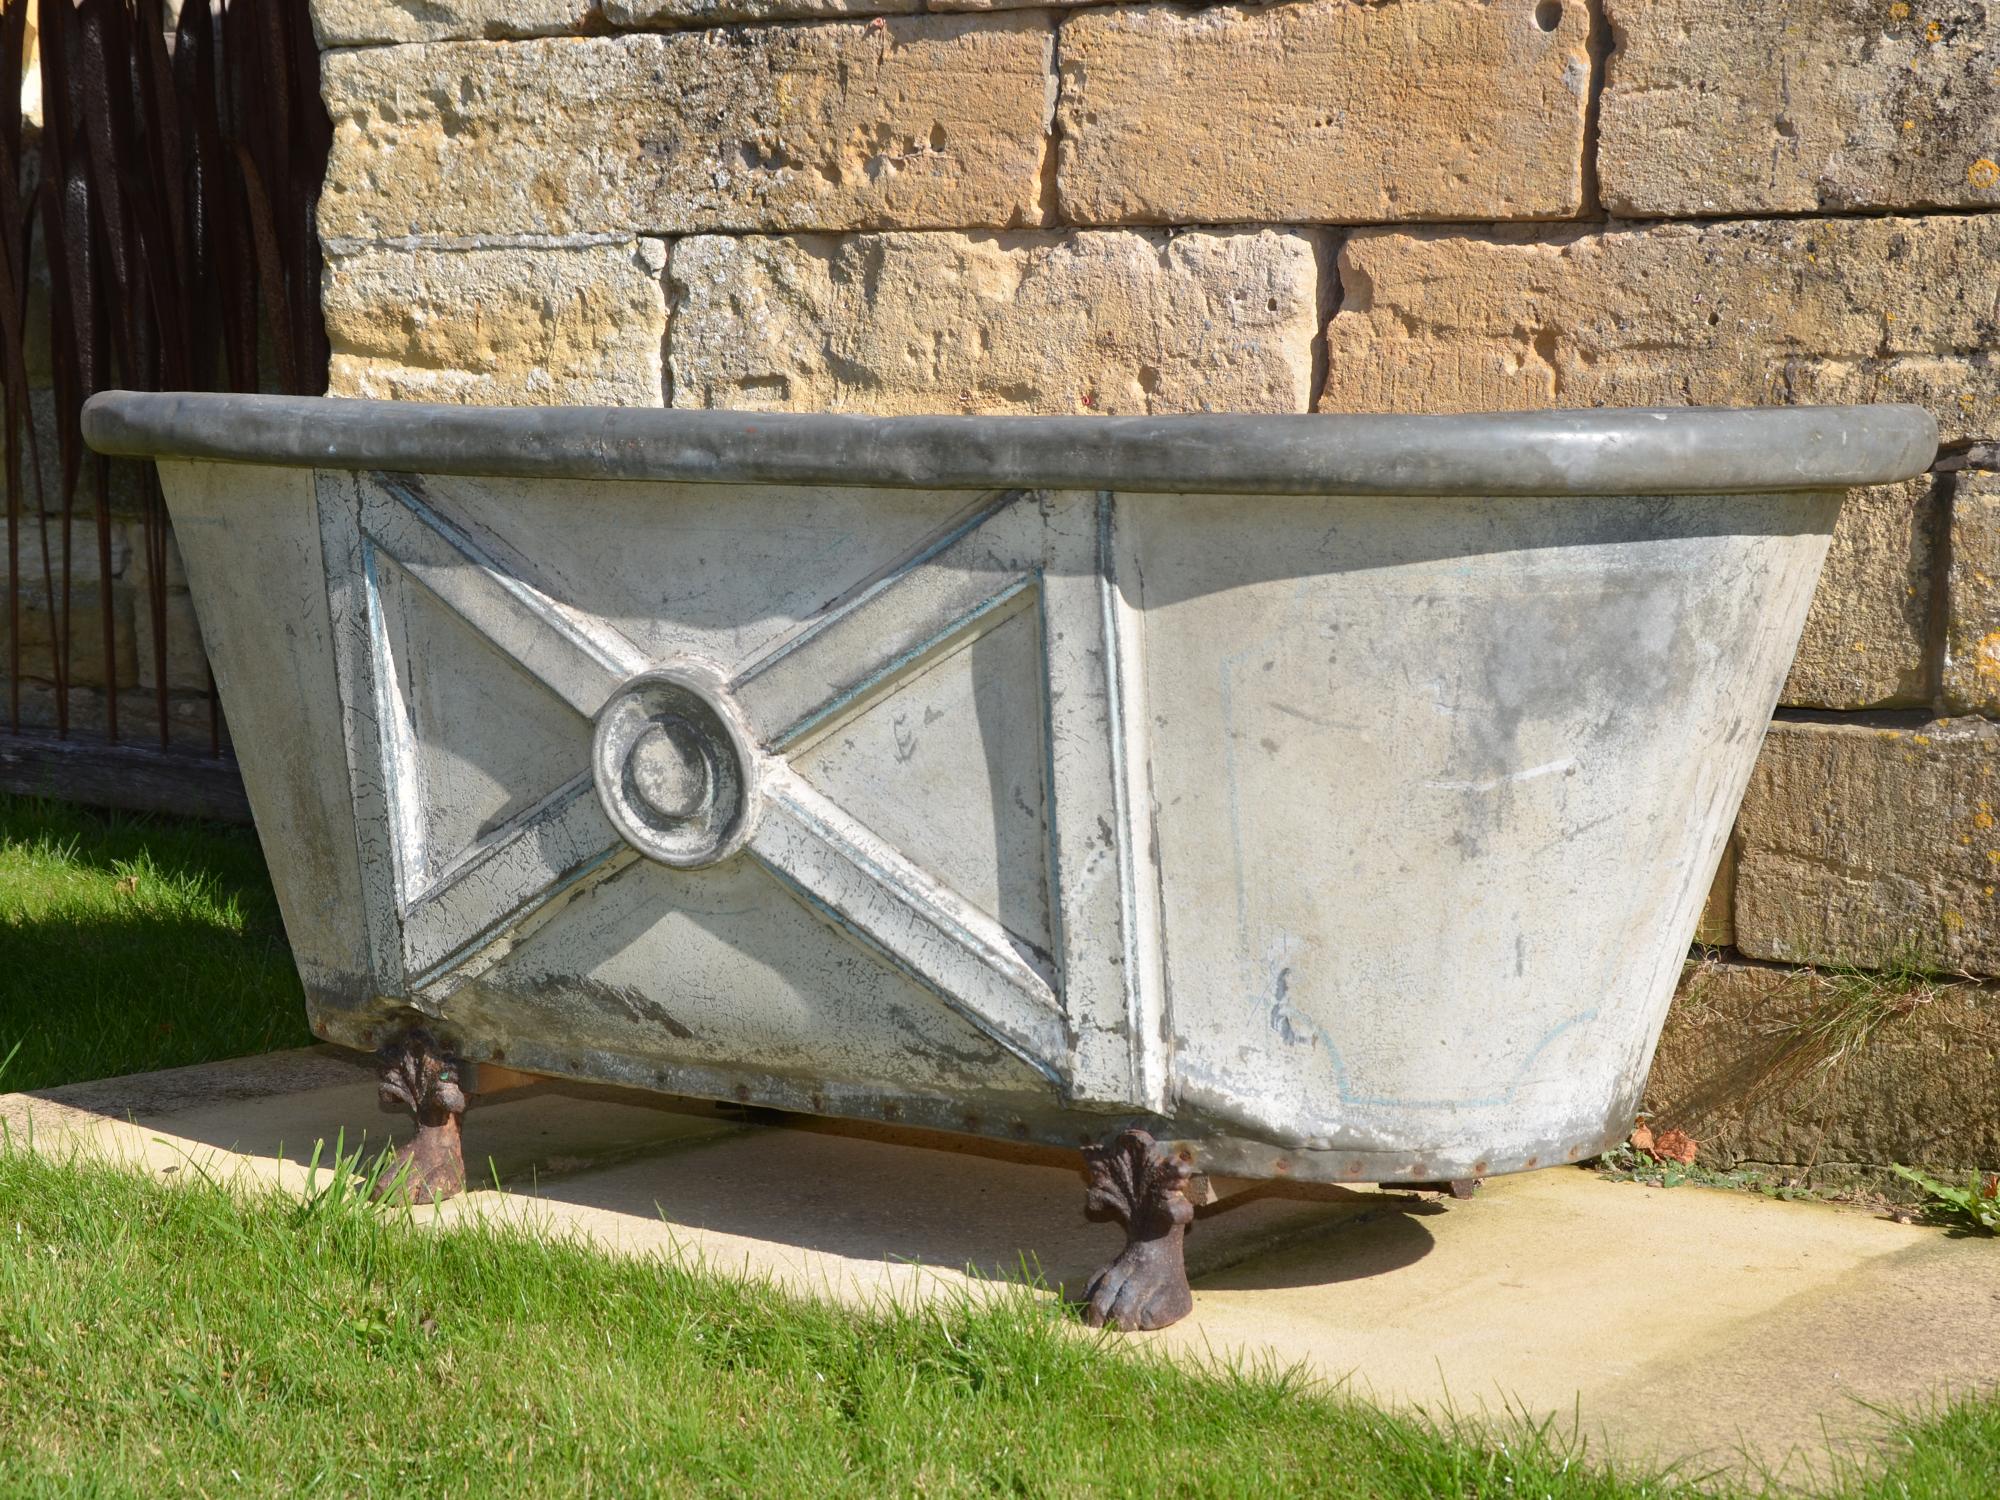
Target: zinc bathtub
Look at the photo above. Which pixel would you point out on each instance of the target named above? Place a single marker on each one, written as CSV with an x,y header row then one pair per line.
x,y
1332,797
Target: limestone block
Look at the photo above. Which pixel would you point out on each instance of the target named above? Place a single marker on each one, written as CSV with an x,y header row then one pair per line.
x,y
41,592
42,626
1802,1069
906,122
712,12
1769,106
1865,639
656,13
520,326
127,481
186,664
1330,112
1972,630
1095,321
368,23
1717,928
41,536
1788,311
1874,846
187,717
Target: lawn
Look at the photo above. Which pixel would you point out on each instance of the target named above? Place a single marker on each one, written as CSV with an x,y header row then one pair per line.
x,y
188,1339
129,943
184,1340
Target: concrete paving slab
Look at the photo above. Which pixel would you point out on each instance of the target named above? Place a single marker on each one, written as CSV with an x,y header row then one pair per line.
x,y
1691,1325
253,1113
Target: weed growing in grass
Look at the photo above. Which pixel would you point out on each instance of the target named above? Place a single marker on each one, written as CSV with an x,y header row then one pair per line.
x,y
1972,1209
1626,1164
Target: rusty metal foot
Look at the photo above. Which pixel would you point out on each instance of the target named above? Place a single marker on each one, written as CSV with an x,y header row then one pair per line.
x,y
419,1075
1458,1187
1137,1183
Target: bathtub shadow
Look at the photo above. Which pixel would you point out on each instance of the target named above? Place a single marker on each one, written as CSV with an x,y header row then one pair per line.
x,y
877,1194
1384,1234
860,1192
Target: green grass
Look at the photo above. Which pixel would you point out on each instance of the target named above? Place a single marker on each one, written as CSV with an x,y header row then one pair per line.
x,y
190,1340
158,1340
185,1340
129,943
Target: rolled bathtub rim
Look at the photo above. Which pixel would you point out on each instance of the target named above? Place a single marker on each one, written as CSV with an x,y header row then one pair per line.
x,y
1601,452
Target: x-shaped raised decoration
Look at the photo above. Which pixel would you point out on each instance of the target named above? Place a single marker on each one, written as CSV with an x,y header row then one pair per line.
x,y
688,760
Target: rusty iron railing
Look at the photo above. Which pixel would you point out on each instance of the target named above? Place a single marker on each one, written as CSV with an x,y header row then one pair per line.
x,y
156,232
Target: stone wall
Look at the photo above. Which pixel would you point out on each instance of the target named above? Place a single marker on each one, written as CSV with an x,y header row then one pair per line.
x,y
1327,205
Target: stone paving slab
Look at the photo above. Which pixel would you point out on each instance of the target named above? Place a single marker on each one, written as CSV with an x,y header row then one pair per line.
x,y
1693,1325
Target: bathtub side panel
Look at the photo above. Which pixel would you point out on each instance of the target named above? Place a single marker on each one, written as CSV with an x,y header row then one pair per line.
x,y
1439,785
885,931
250,539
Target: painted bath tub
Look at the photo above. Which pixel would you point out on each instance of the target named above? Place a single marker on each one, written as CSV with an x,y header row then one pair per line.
x,y
1323,796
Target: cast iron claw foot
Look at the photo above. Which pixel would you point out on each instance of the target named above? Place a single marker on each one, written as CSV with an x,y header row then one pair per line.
x,y
1135,1182
1458,1187
420,1076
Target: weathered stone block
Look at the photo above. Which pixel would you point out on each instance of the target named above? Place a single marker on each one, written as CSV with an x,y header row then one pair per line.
x,y
187,716
1108,321
127,481
1767,106
185,661
654,13
368,23
572,326
908,122
1865,639
39,534
186,664
1873,846
1787,311
1335,112
1830,1071
1972,629
712,12
1717,928
90,657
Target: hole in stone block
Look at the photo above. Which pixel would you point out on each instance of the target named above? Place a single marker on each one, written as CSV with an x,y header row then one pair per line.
x,y
1549,14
